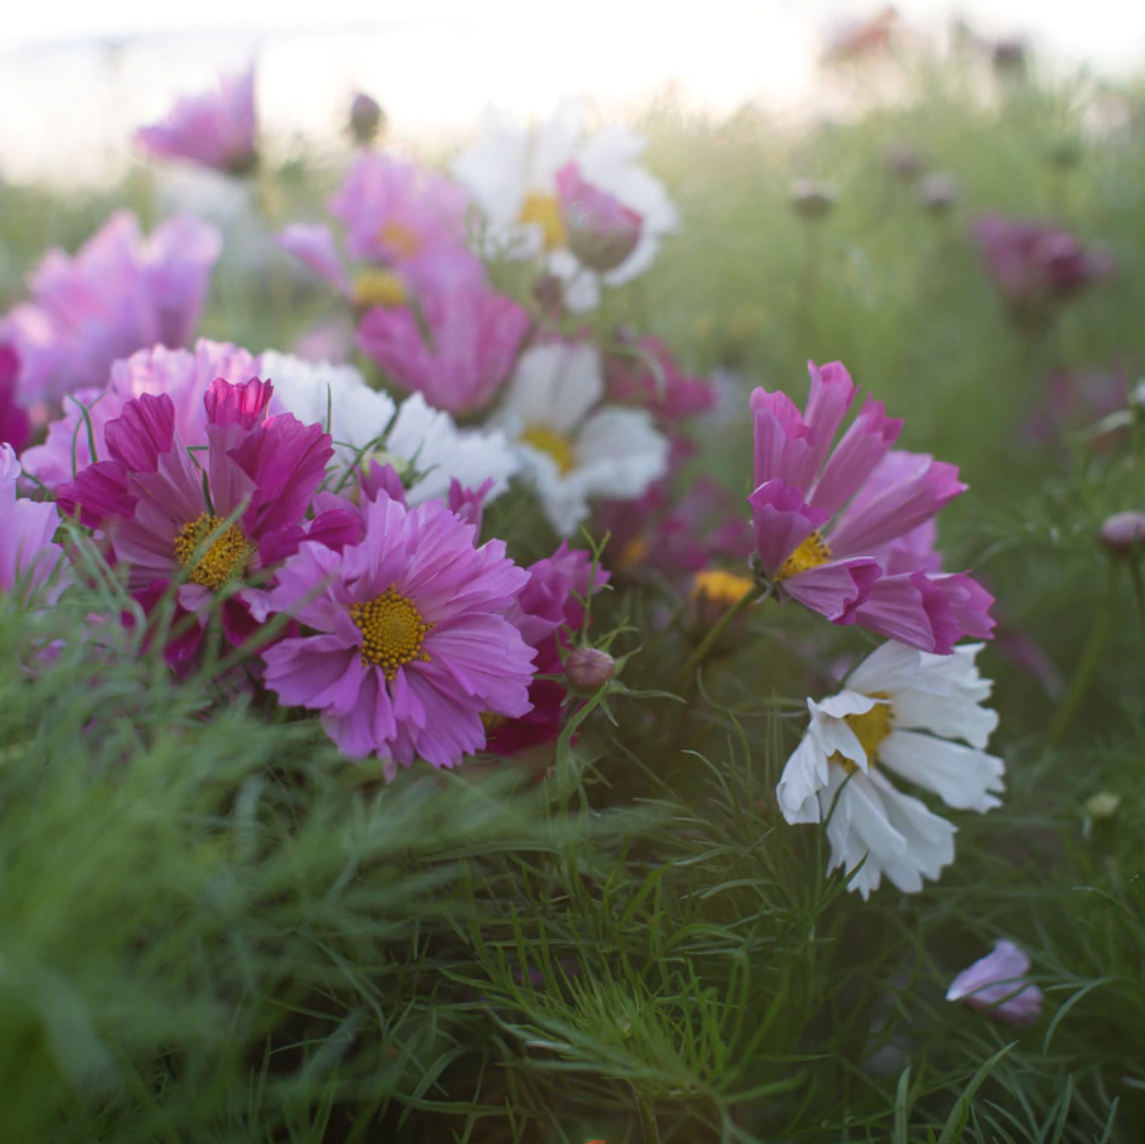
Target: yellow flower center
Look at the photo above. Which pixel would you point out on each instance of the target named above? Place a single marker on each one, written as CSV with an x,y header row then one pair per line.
x,y
392,631
633,553
400,239
870,728
544,211
810,554
379,288
554,444
722,588
225,559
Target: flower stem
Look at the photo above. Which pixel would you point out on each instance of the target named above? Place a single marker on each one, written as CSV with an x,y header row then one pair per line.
x,y
697,658
1090,655
1138,589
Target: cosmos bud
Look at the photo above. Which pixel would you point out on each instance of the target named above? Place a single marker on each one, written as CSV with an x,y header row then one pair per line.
x,y
813,199
367,120
588,669
1124,532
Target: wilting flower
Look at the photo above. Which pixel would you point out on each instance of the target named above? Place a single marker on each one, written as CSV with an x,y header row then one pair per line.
x,y
405,229
996,983
602,232
547,610
1035,262
214,129
900,711
212,518
15,425
411,642
425,446
474,337
183,376
572,446
511,172
120,293
29,557
645,373
871,568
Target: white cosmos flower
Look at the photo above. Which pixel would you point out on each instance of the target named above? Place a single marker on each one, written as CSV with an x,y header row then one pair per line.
x,y
419,440
511,174
572,447
900,712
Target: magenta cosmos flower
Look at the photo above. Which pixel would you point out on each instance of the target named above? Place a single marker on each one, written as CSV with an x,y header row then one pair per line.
x,y
645,373
183,376
409,642
29,557
832,543
404,227
214,129
165,509
997,984
548,609
15,425
121,292
474,339
601,231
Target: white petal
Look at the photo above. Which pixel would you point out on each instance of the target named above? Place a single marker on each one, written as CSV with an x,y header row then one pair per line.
x,y
805,774
834,734
928,839
962,777
623,451
554,385
494,169
954,716
581,285
563,498
555,143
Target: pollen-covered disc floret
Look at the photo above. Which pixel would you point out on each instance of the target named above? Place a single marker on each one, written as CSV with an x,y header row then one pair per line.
x,y
392,631
870,728
226,558
814,552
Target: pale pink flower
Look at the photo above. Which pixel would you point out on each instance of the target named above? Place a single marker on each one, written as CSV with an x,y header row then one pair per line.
x,y
997,984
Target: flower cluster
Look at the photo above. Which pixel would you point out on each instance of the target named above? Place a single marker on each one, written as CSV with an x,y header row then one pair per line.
x,y
347,532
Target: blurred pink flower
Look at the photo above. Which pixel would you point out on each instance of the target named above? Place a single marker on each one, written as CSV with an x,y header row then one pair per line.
x,y
474,339
214,129
15,425
1033,262
184,376
120,293
647,374
996,983
802,483
29,557
601,231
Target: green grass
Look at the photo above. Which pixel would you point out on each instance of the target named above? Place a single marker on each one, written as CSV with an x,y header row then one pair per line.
x,y
214,929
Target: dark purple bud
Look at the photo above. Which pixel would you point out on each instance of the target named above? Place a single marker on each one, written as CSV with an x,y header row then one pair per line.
x,y
367,119
588,669
938,193
813,199
1124,532
1009,54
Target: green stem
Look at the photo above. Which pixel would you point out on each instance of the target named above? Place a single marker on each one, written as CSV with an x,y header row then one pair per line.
x,y
697,658
1138,589
1090,655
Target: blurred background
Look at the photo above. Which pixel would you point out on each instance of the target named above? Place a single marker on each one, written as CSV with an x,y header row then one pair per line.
x,y
75,79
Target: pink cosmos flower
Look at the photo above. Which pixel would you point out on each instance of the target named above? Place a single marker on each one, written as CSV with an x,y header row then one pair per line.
x,y
1032,261
474,339
183,376
165,509
15,425
996,983
410,639
119,293
547,604
601,231
214,129
29,558
398,216
867,569
650,376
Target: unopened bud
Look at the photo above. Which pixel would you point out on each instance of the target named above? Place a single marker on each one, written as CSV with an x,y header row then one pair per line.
x,y
1065,154
588,669
1124,532
367,119
602,232
1104,804
813,199
1009,54
549,292
938,193
903,162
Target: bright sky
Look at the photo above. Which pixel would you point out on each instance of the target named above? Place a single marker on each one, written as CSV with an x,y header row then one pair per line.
x,y
75,77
